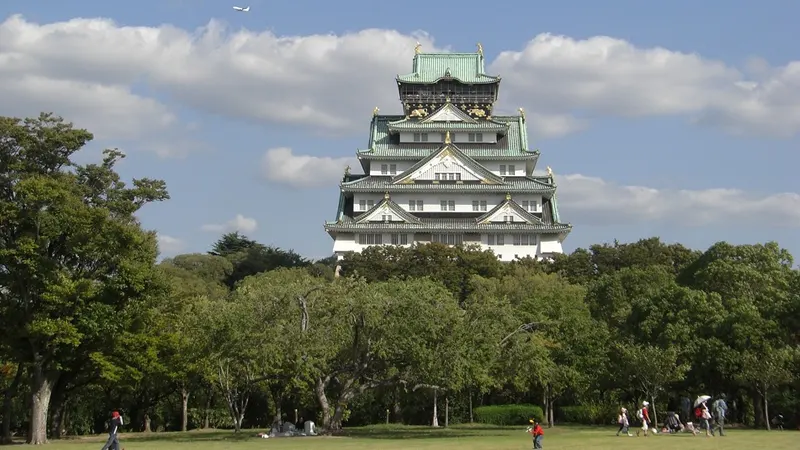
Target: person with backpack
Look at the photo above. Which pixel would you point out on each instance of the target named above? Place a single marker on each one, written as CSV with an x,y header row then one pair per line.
x,y
703,415
624,423
644,416
720,410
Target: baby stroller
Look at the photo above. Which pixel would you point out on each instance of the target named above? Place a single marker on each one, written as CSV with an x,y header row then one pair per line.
x,y
673,422
777,422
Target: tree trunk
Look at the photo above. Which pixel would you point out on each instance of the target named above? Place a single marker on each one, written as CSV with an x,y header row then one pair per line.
x,y
758,408
546,403
147,428
206,419
59,408
8,398
322,399
338,415
184,409
42,384
446,411
207,413
435,422
655,413
550,407
766,409
470,406
398,413
58,400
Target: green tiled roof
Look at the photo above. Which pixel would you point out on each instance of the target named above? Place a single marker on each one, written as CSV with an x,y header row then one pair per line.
x,y
437,225
429,68
468,162
416,125
396,210
517,209
514,145
527,185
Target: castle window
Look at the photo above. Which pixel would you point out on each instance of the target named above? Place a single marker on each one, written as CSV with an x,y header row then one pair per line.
x,y
415,205
447,176
370,239
448,239
399,239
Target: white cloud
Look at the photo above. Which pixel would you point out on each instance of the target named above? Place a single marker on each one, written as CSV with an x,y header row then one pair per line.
x,y
93,70
591,200
238,223
603,75
168,245
280,165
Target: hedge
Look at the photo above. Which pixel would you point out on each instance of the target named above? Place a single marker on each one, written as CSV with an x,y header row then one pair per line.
x,y
506,415
590,414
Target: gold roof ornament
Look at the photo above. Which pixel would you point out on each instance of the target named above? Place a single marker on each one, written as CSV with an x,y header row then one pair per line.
x,y
386,196
549,172
418,49
522,113
347,169
447,137
375,111
508,196
480,49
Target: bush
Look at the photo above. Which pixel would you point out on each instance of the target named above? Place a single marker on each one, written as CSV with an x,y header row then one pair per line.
x,y
590,414
506,415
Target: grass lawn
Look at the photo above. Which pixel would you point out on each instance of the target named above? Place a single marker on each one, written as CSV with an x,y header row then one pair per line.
x,y
459,437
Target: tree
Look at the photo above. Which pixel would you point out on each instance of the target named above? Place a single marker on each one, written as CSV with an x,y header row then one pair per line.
x,y
550,338
250,258
74,262
451,266
232,243
754,283
650,369
766,370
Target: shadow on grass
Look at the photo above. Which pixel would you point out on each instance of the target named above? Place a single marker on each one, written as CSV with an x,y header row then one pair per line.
x,y
177,437
423,432
388,432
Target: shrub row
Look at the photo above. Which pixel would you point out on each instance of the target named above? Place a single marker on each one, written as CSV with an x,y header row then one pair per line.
x,y
590,414
507,415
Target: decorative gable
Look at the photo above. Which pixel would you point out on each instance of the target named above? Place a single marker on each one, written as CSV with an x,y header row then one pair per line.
x,y
449,113
386,211
508,212
448,160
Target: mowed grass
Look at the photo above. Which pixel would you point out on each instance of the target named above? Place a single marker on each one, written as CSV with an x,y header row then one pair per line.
x,y
458,437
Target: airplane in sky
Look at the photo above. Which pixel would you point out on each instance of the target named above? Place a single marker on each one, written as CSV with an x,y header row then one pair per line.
x,y
240,9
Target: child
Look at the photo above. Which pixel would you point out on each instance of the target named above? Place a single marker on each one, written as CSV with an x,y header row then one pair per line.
x,y
537,432
644,416
623,421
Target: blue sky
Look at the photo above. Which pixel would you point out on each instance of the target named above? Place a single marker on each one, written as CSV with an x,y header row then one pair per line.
x,y
678,119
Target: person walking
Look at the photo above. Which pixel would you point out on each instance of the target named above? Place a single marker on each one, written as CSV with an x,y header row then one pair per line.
x,y
720,409
644,416
114,426
623,422
702,413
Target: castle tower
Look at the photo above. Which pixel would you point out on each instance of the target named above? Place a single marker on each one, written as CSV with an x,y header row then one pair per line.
x,y
448,170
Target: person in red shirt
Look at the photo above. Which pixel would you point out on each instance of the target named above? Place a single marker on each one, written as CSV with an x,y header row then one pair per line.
x,y
537,432
644,416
